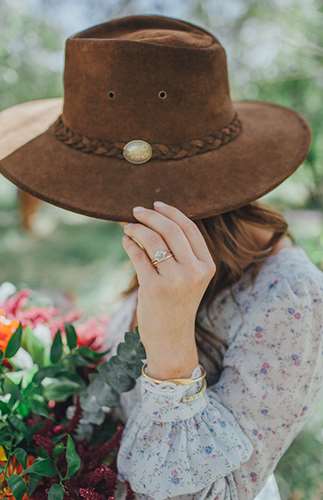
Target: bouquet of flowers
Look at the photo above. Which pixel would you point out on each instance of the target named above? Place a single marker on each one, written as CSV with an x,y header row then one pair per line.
x,y
57,440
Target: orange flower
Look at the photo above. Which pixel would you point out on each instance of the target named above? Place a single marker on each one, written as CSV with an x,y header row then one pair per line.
x,y
12,468
7,328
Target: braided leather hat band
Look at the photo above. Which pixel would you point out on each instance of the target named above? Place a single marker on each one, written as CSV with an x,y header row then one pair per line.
x,y
159,151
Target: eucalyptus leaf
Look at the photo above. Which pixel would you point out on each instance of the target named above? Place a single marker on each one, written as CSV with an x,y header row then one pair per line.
x,y
134,369
115,376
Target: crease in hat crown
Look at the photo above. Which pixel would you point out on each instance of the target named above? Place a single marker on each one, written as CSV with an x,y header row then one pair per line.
x,y
114,76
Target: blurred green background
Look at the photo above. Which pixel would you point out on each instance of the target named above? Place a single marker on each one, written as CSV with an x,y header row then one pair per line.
x,y
275,53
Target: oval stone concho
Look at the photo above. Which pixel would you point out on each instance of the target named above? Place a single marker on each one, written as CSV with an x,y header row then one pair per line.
x,y
137,151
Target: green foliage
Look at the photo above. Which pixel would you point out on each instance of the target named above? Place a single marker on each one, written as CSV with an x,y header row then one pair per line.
x,y
14,343
56,351
56,492
17,485
43,467
37,349
71,371
113,377
71,336
72,459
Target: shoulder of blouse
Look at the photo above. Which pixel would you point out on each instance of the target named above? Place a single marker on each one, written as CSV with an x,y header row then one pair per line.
x,y
292,265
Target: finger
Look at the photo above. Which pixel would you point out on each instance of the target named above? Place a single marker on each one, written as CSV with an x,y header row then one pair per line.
x,y
151,241
143,267
192,232
171,232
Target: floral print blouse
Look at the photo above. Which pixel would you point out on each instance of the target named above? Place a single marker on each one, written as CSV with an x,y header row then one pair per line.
x,y
226,444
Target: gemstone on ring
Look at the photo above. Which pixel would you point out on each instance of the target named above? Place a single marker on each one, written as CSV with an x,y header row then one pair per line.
x,y
160,254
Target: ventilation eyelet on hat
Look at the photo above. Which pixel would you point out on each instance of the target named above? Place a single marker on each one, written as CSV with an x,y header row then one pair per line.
x,y
111,94
162,94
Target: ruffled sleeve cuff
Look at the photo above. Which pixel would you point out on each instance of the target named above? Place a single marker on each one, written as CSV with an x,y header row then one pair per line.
x,y
163,402
171,448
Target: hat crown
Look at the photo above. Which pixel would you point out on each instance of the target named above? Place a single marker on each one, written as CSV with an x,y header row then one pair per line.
x,y
143,77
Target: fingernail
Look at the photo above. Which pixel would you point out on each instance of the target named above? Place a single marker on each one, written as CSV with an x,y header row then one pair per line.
x,y
127,226
138,209
159,204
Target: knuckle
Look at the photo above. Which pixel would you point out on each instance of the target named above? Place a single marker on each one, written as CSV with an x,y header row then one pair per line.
x,y
198,278
202,273
211,268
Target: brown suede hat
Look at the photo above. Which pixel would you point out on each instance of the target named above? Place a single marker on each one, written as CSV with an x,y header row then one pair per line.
x,y
147,115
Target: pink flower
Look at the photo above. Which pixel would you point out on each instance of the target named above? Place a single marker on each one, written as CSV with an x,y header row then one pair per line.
x,y
16,302
91,332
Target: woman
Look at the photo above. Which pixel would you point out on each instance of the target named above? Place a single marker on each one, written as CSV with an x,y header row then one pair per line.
x,y
228,309
260,340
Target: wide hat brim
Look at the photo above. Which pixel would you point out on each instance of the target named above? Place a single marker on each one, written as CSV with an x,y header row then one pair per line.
x,y
273,142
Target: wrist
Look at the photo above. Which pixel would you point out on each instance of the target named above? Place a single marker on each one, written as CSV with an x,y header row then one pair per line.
x,y
178,365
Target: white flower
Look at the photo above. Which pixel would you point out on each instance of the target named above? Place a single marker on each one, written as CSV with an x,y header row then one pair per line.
x,y
5,398
6,289
5,321
22,360
43,334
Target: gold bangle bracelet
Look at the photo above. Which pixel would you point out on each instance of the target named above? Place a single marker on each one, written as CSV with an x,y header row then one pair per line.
x,y
181,381
197,394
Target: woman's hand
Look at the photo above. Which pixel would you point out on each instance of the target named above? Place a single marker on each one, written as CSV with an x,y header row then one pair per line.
x,y
169,294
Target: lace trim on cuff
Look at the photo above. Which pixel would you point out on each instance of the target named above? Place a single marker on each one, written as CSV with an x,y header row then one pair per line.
x,y
163,401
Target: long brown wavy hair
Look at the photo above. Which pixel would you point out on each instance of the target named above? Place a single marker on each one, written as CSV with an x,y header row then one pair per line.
x,y
231,246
